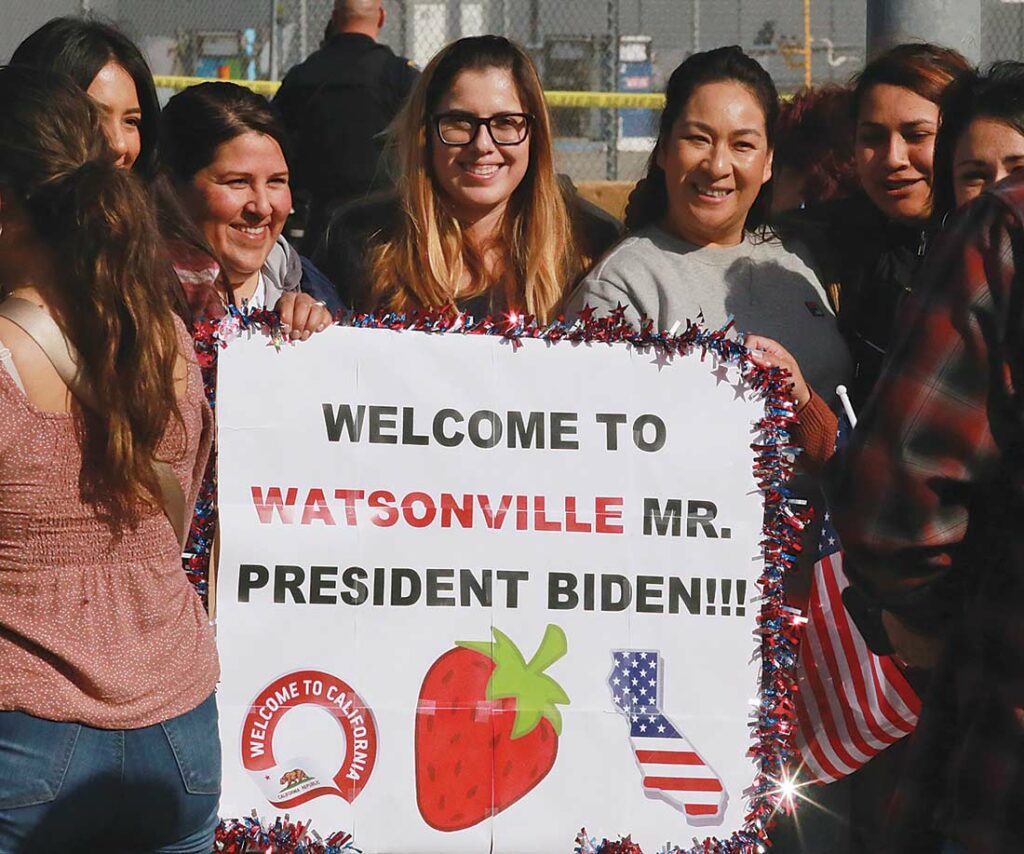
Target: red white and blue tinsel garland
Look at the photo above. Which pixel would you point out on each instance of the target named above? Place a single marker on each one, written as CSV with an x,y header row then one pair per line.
x,y
775,720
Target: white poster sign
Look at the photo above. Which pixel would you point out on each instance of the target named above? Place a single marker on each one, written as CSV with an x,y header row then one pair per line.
x,y
474,596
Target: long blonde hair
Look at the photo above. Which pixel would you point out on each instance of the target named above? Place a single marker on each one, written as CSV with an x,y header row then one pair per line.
x,y
421,262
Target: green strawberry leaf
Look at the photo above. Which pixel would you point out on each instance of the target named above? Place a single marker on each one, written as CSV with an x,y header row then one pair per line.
x,y
535,693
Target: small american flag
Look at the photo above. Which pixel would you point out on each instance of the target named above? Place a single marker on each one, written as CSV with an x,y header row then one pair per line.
x,y
852,704
670,768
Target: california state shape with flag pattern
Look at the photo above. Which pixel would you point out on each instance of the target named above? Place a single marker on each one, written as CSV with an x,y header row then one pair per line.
x,y
670,766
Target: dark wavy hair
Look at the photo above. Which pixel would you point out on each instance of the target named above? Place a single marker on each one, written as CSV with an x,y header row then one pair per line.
x,y
79,48
997,94
97,222
814,137
925,69
649,201
198,120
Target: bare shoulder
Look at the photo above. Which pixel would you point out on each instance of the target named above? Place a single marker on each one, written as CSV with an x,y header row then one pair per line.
x,y
43,385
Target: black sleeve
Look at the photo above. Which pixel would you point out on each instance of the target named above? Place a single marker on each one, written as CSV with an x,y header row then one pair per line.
x,y
595,229
289,104
405,77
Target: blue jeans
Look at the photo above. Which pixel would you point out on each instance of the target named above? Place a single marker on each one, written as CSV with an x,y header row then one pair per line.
x,y
69,787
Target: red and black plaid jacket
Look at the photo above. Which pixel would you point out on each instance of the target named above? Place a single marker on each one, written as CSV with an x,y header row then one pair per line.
x,y
929,503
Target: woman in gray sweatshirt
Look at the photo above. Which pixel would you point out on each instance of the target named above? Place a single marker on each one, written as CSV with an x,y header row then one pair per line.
x,y
697,248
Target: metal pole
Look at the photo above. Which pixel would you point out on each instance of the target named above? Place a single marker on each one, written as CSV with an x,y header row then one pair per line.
x,y
275,70
403,29
303,29
610,117
953,23
506,20
535,24
695,31
831,33
807,44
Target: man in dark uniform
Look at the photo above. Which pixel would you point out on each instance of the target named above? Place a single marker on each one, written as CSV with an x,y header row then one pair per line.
x,y
336,106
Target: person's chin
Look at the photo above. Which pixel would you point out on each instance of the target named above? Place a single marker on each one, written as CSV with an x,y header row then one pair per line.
x,y
245,266
910,210
481,202
714,221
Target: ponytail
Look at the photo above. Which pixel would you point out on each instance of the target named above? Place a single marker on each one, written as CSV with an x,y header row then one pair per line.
x,y
649,199
113,284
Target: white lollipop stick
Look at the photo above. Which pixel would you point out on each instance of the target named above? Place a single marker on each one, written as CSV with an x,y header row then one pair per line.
x,y
844,398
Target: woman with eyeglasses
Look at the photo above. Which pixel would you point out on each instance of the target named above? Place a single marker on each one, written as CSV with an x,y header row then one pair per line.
x,y
480,222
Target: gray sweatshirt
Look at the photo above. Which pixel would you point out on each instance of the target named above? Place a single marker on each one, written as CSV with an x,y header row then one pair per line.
x,y
767,288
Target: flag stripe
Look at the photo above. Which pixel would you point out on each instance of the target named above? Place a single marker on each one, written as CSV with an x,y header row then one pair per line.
x,y
818,752
653,769
811,753
896,723
830,703
911,702
683,784
701,809
669,757
835,660
861,711
887,683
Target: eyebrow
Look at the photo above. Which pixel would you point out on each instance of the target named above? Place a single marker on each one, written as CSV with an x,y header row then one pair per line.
x,y
458,114
911,124
241,173
708,129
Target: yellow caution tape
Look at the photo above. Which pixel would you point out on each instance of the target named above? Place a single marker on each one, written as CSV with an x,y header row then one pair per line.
x,y
579,100
261,87
607,100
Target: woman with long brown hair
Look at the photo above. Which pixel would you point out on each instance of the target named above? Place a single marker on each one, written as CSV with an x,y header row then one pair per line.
x,y
111,69
108,734
480,221
871,245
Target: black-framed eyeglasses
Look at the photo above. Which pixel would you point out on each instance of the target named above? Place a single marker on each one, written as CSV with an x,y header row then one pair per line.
x,y
504,128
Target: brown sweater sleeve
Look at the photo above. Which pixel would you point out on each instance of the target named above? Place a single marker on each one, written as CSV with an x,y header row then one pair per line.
x,y
815,432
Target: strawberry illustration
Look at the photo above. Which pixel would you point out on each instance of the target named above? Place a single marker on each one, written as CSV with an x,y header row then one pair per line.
x,y
487,728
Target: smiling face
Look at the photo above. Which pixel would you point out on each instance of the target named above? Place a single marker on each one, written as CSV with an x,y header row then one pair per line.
x,y
716,159
478,178
240,202
986,152
893,151
114,90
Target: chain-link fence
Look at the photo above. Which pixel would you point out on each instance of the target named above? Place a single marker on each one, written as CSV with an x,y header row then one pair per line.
x,y
1002,30
571,40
